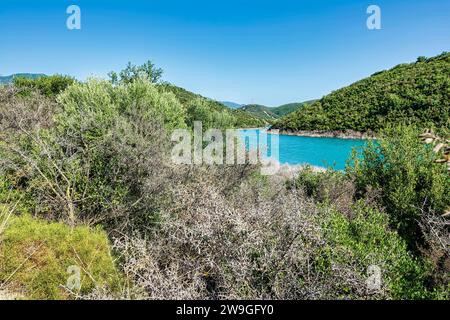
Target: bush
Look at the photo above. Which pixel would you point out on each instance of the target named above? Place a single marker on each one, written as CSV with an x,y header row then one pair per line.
x,y
49,86
365,240
35,257
277,244
409,182
103,159
131,73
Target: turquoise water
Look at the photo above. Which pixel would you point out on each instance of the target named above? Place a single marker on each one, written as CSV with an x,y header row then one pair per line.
x,y
321,152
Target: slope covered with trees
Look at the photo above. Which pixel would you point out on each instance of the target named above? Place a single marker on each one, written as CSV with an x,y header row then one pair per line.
x,y
270,114
200,108
259,111
290,107
416,93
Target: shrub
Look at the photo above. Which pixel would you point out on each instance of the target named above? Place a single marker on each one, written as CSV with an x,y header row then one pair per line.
x,y
35,257
366,240
329,187
104,158
277,244
409,182
131,73
49,86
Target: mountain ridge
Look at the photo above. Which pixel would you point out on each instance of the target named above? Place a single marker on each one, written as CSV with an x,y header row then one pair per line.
x,y
414,93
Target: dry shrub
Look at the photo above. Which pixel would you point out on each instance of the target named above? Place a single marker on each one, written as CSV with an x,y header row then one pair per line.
x,y
20,113
261,241
436,231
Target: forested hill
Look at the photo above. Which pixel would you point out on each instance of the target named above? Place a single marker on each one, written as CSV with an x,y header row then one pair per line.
x,y
416,93
290,107
201,108
270,114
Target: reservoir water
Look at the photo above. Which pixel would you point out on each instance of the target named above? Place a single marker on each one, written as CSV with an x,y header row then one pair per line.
x,y
297,150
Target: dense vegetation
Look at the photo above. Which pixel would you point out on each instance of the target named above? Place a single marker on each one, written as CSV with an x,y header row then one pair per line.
x,y
48,85
94,162
417,93
198,105
259,111
10,79
285,109
270,114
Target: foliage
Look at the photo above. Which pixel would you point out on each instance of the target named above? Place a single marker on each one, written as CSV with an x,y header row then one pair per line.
x,y
6,80
103,159
202,109
365,240
49,86
98,154
417,93
402,169
259,111
35,257
285,109
147,71
270,114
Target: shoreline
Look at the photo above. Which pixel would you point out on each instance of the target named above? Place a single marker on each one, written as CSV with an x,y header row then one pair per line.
x,y
341,134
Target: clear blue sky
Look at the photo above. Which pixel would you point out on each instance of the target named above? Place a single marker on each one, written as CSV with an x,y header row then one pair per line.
x,y
247,51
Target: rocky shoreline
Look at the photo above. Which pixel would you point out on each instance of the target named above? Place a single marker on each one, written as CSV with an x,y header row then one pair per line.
x,y
342,134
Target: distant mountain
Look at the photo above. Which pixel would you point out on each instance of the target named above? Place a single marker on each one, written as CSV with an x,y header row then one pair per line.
x,y
9,79
415,93
231,105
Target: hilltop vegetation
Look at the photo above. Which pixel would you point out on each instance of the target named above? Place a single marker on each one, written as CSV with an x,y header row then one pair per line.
x,y
202,108
259,111
270,114
290,107
10,79
416,93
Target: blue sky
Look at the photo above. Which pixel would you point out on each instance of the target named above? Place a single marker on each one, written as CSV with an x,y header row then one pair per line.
x,y
247,51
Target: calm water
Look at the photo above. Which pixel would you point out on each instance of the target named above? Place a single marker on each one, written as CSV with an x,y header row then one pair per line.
x,y
322,152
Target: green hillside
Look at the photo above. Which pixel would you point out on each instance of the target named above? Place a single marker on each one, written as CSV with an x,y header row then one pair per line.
x,y
238,117
9,79
259,111
271,114
415,93
290,107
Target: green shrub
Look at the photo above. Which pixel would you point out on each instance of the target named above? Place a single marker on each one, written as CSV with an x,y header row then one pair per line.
x,y
49,86
131,73
365,240
319,185
402,169
103,159
35,257
93,107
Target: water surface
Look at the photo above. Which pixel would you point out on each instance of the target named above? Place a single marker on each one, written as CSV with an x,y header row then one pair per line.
x,y
321,152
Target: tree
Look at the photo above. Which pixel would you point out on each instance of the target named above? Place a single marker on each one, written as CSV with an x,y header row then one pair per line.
x,y
132,72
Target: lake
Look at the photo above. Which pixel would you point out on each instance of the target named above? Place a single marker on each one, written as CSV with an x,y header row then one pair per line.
x,y
320,152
